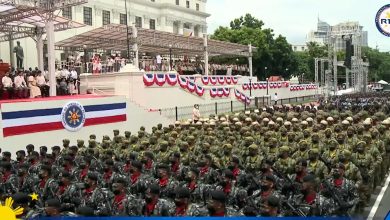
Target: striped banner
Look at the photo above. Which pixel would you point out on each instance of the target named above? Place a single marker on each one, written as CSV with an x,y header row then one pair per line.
x,y
41,120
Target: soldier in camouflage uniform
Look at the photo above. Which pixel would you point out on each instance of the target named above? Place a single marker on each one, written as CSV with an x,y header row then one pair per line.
x,y
315,165
364,162
284,163
341,193
184,206
253,160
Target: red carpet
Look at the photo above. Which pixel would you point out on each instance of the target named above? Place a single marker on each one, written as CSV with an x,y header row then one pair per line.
x,y
53,98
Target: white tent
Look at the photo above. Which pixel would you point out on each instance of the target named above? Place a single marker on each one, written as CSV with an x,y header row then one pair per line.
x,y
382,82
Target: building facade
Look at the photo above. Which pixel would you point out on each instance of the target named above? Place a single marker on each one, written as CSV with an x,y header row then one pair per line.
x,y
299,48
322,34
185,17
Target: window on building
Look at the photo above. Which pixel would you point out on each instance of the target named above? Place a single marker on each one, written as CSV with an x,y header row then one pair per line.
x,y
303,48
87,15
188,4
295,48
106,17
177,2
153,0
186,26
197,6
67,12
138,22
152,24
123,19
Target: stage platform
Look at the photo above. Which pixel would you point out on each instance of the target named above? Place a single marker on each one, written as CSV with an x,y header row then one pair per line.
x,y
47,121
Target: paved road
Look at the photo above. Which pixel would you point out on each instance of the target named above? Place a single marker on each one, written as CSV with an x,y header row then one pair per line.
x,y
383,207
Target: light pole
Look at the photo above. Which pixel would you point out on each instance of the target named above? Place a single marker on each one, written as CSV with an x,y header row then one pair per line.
x,y
267,86
85,58
265,71
250,87
127,31
170,57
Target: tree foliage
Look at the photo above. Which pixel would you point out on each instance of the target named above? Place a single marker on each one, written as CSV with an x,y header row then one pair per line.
x,y
379,64
272,52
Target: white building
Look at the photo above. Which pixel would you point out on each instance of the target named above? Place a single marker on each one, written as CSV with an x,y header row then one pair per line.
x,y
321,35
299,48
187,17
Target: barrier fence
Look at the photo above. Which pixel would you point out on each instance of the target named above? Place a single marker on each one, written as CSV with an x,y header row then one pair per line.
x,y
185,112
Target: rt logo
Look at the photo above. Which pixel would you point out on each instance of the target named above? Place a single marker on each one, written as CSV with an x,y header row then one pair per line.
x,y
382,20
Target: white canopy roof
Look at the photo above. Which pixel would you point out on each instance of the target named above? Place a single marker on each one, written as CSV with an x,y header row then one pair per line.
x,y
383,82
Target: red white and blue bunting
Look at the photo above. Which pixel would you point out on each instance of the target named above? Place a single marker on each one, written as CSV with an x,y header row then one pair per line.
x,y
159,79
205,80
219,92
171,79
183,82
263,85
148,79
199,90
191,86
296,88
213,80
242,97
220,80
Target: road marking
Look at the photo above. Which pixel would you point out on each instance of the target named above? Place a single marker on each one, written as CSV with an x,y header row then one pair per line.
x,y
378,199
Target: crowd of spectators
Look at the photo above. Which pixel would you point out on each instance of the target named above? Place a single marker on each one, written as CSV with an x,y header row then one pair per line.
x,y
34,83
193,67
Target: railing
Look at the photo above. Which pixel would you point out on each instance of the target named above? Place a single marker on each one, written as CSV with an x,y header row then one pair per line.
x,y
185,112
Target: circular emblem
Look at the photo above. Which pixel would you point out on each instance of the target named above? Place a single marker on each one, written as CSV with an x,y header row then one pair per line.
x,y
73,116
382,20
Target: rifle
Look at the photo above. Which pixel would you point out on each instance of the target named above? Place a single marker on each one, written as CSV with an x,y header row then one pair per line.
x,y
364,174
343,206
286,178
296,211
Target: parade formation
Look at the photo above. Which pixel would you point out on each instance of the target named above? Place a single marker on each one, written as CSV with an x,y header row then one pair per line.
x,y
308,160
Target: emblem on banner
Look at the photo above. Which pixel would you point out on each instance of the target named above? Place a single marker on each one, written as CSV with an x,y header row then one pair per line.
x,y
382,20
73,116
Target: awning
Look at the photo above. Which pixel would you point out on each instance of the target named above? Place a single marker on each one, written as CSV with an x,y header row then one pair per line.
x,y
20,21
382,82
113,37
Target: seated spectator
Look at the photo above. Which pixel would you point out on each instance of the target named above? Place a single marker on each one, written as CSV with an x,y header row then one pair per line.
x,y
72,87
8,85
73,74
41,83
20,86
63,87
35,91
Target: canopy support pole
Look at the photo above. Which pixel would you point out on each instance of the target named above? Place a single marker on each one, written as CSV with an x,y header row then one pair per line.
x,y
39,45
206,55
51,57
250,61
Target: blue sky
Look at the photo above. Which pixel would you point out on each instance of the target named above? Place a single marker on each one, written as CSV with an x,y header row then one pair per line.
x,y
295,18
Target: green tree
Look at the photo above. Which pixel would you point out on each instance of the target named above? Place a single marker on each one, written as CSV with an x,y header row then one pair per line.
x,y
379,64
274,53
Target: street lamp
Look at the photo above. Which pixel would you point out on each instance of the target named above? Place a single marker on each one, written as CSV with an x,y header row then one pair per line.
x,y
85,58
265,71
170,57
